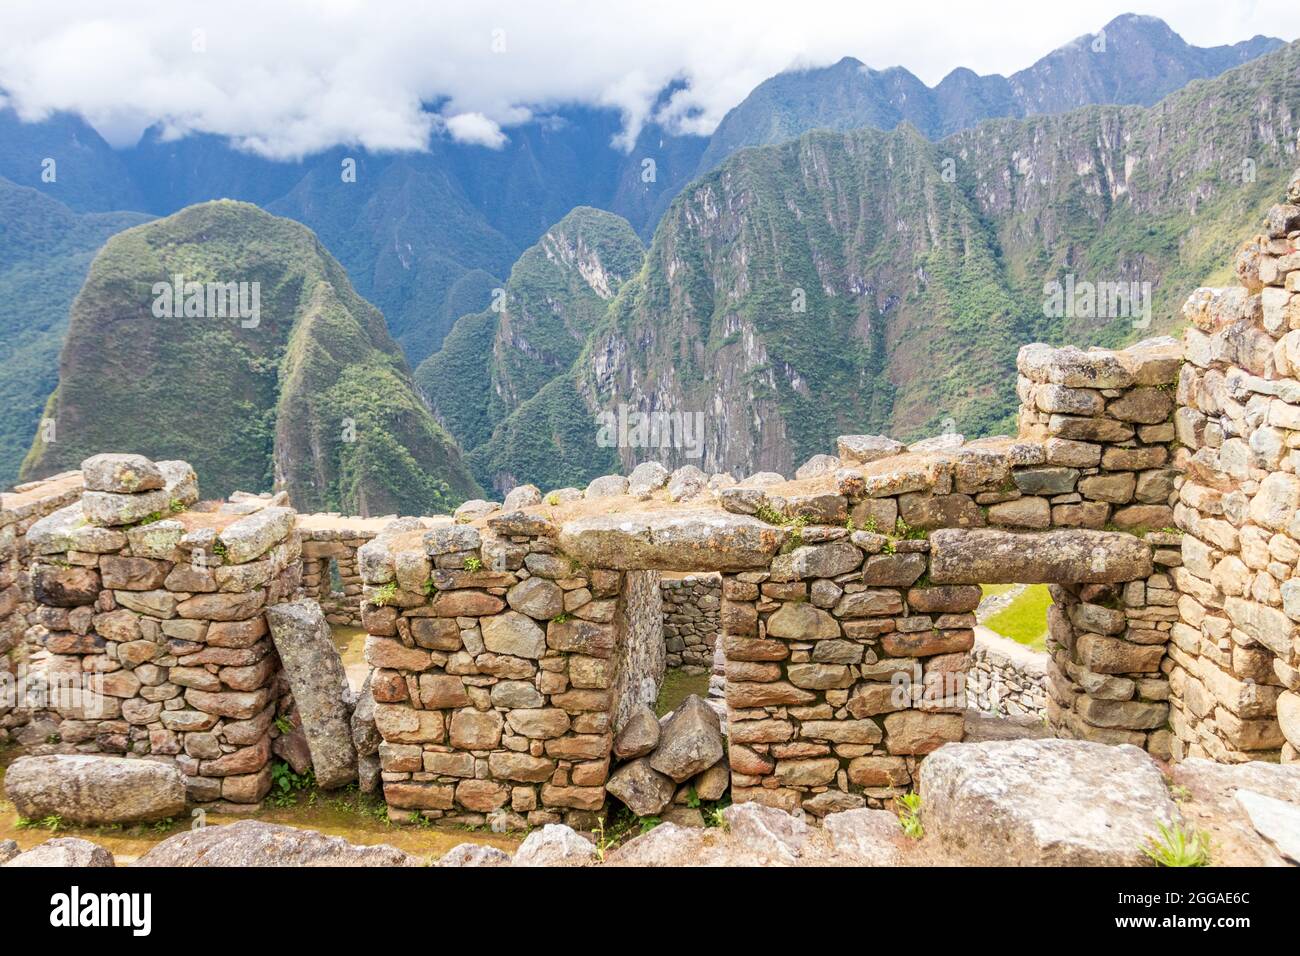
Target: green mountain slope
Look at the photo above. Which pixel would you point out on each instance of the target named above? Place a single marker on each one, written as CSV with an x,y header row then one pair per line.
x,y
780,290
870,281
550,441
45,250
495,361
411,239
66,160
310,393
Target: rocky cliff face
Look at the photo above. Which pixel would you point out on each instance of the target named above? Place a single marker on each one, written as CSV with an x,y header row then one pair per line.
x,y
500,364
233,335
922,264
869,281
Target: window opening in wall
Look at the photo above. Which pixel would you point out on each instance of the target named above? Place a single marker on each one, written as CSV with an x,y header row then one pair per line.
x,y
1008,673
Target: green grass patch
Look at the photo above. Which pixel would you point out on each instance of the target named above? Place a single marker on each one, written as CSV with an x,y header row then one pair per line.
x,y
677,686
1024,620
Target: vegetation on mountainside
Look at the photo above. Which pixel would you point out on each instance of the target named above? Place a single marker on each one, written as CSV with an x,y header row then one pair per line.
x,y
557,292
457,379
921,267
45,250
493,362
927,262
412,242
550,441
313,394
64,159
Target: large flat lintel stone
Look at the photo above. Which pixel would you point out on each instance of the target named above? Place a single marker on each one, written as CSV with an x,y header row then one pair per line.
x,y
672,541
1068,556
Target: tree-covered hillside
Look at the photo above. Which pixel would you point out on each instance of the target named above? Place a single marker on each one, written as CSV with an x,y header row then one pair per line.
x,y
45,250
304,387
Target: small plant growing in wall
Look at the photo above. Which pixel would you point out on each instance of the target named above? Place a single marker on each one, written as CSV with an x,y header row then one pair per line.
x,y
383,596
713,813
473,564
906,532
909,814
1177,846
561,617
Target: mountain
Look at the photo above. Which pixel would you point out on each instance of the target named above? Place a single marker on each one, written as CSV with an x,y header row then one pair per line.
x,y
882,282
426,236
500,359
66,160
1132,60
45,250
429,237
302,386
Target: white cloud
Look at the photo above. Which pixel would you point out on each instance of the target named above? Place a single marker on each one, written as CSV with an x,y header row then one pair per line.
x,y
291,77
477,129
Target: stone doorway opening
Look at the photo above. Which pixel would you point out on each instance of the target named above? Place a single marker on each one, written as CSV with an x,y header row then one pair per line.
x,y
692,605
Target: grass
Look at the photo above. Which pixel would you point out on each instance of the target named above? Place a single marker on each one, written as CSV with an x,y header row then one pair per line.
x,y
1176,846
992,590
677,686
909,814
1024,620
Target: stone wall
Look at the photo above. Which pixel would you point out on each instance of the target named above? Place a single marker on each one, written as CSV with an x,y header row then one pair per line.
x,y
19,510
1235,656
1106,423
641,653
1006,678
151,624
504,662
691,619
498,665
1153,488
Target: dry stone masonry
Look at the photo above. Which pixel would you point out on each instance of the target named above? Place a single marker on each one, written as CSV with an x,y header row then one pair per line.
x,y
1105,423
1006,678
330,575
691,619
515,648
19,510
1235,652
500,664
151,618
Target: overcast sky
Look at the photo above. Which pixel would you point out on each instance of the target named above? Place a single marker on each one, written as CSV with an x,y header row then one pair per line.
x,y
290,77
